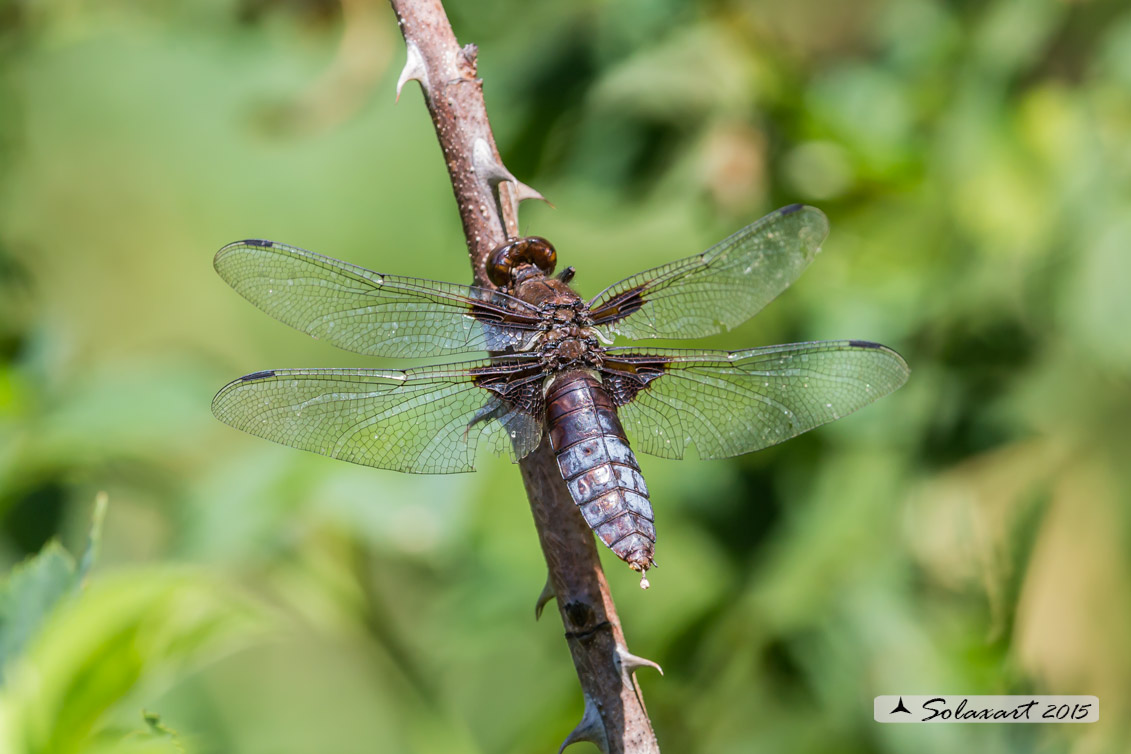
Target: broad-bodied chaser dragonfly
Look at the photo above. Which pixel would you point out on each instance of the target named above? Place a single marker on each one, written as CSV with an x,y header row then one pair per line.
x,y
550,368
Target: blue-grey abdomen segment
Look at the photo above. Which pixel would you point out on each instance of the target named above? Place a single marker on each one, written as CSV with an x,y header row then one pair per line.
x,y
599,468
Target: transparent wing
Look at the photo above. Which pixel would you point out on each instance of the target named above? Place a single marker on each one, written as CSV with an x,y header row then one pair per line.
x,y
718,289
427,421
370,313
729,403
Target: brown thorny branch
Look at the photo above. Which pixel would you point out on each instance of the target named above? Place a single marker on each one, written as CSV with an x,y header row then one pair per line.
x,y
614,719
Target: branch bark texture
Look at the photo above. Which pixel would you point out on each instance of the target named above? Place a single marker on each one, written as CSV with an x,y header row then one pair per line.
x,y
614,719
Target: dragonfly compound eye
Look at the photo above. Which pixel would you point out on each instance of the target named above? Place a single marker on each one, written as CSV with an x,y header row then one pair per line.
x,y
533,250
541,252
501,261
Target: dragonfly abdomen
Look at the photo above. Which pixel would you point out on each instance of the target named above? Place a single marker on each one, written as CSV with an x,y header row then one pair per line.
x,y
599,467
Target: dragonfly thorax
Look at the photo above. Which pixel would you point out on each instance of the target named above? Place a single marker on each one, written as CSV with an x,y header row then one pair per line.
x,y
570,346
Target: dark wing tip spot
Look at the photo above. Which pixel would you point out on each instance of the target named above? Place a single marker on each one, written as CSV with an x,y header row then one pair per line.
x,y
259,242
258,375
790,209
864,344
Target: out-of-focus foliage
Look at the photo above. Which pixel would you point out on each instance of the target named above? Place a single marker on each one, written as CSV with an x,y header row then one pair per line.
x,y
71,660
969,534
32,590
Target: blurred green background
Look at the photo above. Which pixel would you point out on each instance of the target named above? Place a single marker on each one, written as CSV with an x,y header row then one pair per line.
x,y
969,534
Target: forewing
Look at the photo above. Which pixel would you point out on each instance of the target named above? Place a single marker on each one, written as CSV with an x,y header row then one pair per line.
x,y
427,421
728,403
718,289
371,313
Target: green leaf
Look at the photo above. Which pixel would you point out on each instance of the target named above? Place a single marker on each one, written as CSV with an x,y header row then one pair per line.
x,y
35,587
108,651
95,540
29,595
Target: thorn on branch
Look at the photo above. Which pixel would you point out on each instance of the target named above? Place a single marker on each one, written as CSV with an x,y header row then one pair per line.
x,y
630,663
591,729
413,70
543,599
522,192
492,171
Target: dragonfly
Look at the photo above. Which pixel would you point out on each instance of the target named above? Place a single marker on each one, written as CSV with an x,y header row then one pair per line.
x,y
552,369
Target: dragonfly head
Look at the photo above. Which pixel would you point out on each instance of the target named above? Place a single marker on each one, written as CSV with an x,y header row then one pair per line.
x,y
505,260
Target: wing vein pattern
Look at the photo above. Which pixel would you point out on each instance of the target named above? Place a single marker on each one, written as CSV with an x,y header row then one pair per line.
x,y
727,403
371,313
428,420
718,289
